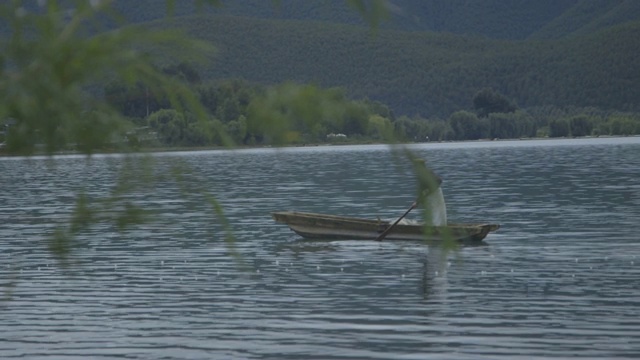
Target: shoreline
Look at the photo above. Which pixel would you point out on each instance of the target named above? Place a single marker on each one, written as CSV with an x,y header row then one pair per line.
x,y
154,150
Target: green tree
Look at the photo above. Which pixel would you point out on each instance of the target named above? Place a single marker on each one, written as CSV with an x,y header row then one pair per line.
x,y
603,128
559,128
356,119
467,126
133,101
380,128
237,129
488,101
378,108
511,125
408,129
170,125
294,113
623,125
580,125
228,110
439,130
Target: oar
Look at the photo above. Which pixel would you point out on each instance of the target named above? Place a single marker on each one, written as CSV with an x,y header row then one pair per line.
x,y
384,233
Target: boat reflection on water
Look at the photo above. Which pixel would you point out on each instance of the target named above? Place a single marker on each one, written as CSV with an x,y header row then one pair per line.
x,y
435,267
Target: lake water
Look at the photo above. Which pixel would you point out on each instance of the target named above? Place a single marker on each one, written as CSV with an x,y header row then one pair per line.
x,y
560,279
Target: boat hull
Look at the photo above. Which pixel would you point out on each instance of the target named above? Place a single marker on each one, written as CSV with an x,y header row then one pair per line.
x,y
331,227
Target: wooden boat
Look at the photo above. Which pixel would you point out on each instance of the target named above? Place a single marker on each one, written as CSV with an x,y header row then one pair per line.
x,y
331,227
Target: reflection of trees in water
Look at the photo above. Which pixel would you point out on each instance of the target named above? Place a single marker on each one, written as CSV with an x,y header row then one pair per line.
x,y
434,274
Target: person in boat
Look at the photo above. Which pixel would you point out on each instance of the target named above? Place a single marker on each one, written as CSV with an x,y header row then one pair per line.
x,y
430,194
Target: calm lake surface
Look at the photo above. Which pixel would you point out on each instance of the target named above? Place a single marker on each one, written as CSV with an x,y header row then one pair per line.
x,y
560,279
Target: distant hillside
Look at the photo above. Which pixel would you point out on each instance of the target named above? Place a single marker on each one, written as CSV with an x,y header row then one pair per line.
x,y
498,19
538,53
425,73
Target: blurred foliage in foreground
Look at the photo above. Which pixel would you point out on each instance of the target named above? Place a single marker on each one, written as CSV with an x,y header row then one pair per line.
x,y
54,67
52,70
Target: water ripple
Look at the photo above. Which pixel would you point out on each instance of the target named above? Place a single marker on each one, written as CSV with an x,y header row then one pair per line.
x,y
559,280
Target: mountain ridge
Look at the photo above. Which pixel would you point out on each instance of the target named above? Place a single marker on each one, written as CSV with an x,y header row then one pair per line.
x,y
499,19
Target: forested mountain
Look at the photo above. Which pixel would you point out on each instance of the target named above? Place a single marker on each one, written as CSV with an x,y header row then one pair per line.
x,y
579,53
427,73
